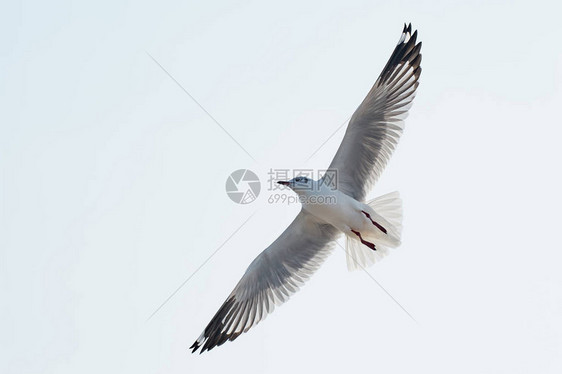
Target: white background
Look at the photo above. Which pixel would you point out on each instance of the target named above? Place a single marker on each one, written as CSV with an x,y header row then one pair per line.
x,y
112,184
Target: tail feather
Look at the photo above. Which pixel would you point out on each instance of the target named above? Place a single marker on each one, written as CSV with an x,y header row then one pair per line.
x,y
388,206
360,257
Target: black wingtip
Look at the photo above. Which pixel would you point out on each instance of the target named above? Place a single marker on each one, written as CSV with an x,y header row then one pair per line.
x,y
405,50
194,347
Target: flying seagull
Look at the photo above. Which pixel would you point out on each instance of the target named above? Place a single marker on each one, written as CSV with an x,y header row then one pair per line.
x,y
370,228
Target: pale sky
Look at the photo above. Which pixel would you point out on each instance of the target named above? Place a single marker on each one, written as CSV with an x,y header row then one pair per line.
x,y
112,184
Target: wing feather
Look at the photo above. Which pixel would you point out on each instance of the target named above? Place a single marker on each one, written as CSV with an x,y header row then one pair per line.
x,y
377,124
277,273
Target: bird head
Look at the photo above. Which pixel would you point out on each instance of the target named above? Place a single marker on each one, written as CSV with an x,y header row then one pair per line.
x,y
299,183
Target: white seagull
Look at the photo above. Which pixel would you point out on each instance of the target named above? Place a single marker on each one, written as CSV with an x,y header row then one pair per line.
x,y
372,227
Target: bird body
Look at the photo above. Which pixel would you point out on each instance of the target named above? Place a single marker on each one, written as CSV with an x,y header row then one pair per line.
x,y
348,215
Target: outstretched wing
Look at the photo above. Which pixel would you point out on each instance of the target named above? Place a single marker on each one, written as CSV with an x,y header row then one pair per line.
x,y
271,279
376,125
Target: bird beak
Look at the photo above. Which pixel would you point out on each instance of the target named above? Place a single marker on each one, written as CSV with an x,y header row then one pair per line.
x,y
284,183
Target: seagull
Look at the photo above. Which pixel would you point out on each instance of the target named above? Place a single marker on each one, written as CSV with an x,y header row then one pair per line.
x,y
332,206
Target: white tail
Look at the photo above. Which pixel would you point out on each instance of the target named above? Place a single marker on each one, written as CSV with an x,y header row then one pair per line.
x,y
389,206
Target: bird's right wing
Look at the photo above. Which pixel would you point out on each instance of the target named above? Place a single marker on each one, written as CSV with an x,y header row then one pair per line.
x,y
271,278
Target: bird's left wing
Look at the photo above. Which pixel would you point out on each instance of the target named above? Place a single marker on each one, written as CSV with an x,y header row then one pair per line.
x,y
376,125
271,279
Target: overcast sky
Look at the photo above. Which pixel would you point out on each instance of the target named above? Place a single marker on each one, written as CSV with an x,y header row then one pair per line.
x,y
112,184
